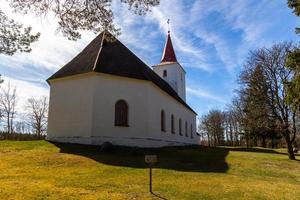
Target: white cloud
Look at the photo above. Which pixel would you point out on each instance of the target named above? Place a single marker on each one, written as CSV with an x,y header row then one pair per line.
x,y
183,44
200,93
51,51
249,17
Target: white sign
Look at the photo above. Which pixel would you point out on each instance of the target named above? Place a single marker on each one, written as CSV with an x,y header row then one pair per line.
x,y
151,159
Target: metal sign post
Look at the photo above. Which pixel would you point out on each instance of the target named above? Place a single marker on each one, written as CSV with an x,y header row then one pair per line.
x,y
150,179
151,160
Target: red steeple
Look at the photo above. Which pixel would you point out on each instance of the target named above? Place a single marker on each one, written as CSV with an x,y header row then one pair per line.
x,y
168,54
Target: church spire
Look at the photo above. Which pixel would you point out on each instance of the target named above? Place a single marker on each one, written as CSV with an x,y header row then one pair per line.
x,y
168,53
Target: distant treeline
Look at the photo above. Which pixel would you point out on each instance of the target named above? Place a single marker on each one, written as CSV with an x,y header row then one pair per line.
x,y
21,122
21,136
264,111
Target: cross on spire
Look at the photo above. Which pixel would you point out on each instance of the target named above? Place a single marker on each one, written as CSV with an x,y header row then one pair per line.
x,y
168,53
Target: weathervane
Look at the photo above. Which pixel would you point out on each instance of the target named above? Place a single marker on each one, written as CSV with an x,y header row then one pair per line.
x,y
168,22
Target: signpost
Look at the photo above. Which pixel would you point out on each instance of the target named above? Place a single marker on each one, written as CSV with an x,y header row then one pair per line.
x,y
151,160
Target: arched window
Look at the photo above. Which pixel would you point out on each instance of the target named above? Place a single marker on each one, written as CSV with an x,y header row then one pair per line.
x,y
180,132
186,129
121,113
191,130
172,124
163,121
165,73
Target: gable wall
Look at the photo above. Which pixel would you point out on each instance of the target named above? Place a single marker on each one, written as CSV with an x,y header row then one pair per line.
x,y
70,110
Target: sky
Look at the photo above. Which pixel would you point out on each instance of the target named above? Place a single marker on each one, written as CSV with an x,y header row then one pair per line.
x,y
211,38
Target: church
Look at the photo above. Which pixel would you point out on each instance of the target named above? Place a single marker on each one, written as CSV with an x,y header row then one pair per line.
x,y
107,94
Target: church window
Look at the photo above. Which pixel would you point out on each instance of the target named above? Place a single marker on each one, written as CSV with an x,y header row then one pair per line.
x,y
191,130
186,129
172,124
163,121
121,113
165,73
180,131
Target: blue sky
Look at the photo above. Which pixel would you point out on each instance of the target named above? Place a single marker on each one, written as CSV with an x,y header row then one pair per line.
x,y
212,38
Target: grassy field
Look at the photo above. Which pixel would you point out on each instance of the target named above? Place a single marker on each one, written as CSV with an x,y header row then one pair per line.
x,y
41,170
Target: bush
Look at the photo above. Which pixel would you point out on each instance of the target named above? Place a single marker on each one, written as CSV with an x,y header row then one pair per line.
x,y
20,136
106,147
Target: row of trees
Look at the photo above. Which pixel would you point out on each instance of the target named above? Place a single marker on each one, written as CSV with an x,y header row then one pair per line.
x,y
33,120
260,112
267,104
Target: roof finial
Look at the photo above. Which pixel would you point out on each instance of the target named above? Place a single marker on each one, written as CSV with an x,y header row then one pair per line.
x,y
168,53
168,22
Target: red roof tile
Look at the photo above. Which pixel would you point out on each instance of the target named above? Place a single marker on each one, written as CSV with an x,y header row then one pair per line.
x,y
168,53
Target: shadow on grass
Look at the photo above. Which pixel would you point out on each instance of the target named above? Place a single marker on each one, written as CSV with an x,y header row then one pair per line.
x,y
158,196
258,150
254,149
188,159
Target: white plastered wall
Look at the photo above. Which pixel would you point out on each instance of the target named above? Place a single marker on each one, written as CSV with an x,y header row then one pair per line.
x,y
70,109
175,77
101,92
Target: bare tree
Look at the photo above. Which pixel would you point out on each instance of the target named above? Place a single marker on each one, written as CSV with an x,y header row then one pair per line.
x,y
8,100
204,129
73,16
37,113
1,112
212,124
236,115
272,61
20,126
230,124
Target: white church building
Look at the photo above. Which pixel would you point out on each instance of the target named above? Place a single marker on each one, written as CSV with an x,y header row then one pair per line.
x,y
107,94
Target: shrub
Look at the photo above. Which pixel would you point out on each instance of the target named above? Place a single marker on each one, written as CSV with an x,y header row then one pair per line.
x,y
20,136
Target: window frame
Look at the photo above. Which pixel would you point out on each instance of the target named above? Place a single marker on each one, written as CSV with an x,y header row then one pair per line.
x,y
119,121
162,121
186,129
172,124
165,73
180,127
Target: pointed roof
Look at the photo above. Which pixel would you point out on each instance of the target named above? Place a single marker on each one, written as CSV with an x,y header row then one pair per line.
x,y
168,53
112,57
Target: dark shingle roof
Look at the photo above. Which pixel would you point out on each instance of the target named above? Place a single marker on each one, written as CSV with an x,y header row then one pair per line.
x,y
112,57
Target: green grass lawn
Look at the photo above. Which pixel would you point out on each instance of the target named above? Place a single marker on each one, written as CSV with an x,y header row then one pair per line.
x,y
42,170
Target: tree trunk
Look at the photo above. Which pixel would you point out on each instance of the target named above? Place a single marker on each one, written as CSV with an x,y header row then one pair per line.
x,y
247,141
273,143
289,146
264,141
208,139
255,141
226,135
8,123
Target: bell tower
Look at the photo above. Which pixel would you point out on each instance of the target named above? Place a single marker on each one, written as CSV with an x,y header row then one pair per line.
x,y
170,70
